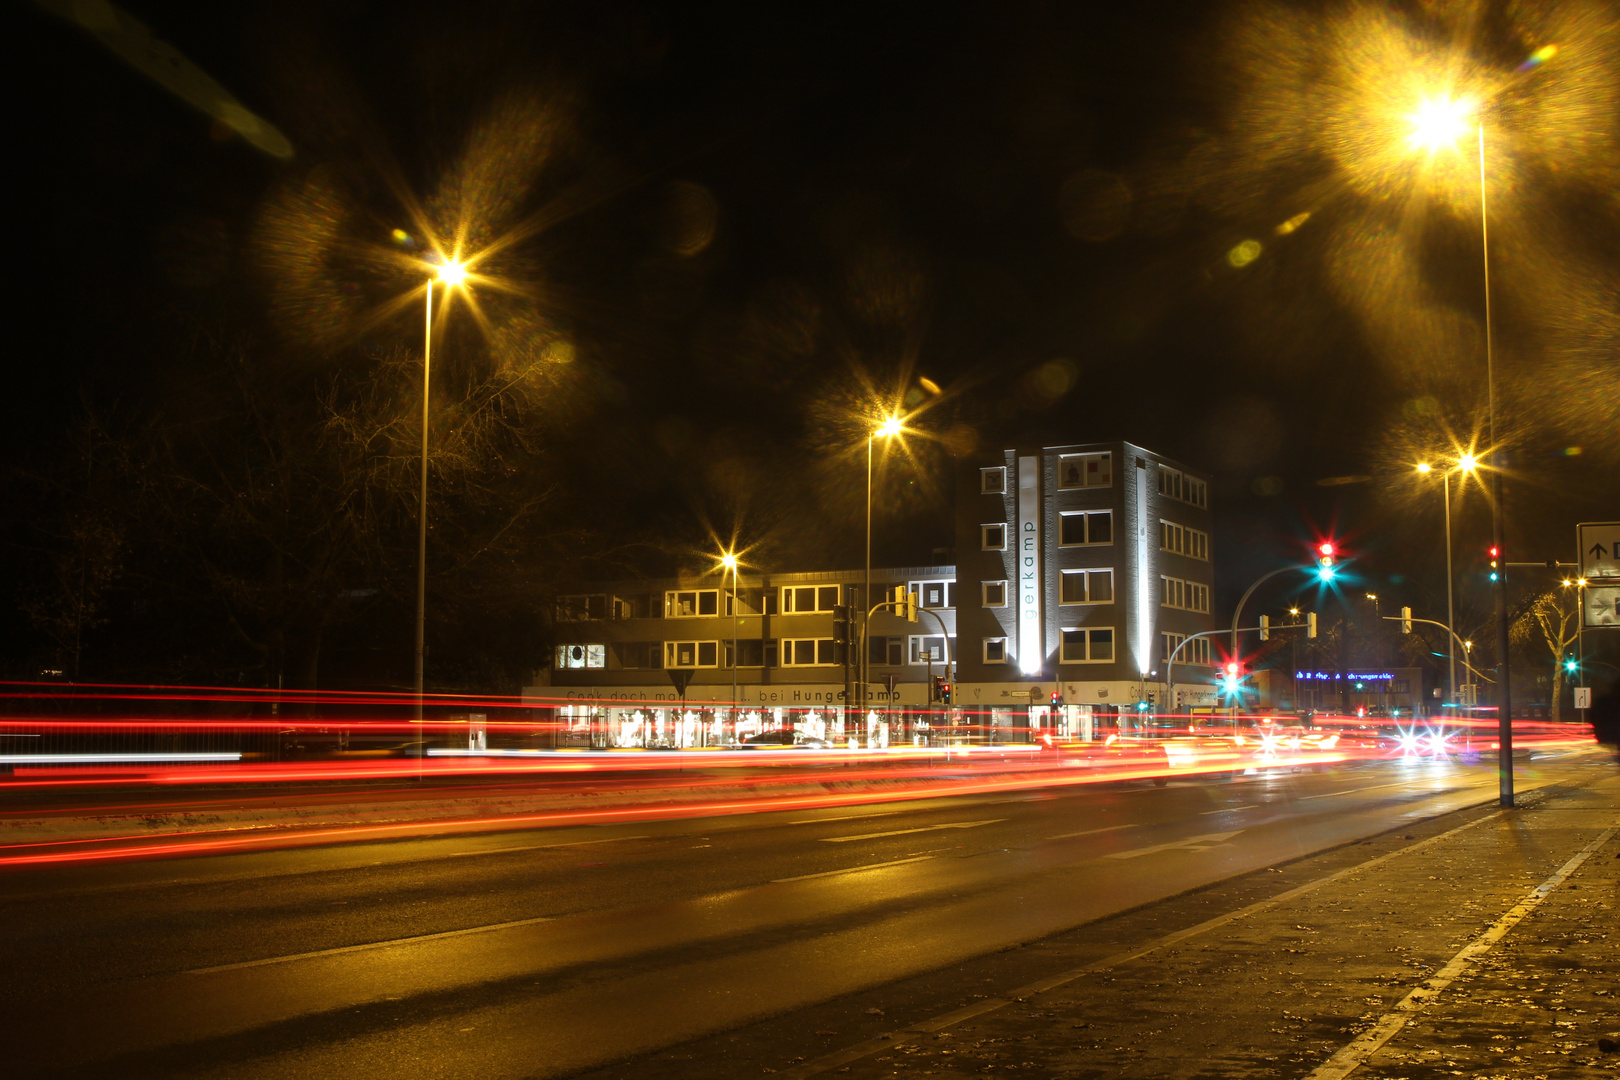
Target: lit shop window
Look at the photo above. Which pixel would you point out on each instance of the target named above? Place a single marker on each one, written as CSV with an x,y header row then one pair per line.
x,y
804,599
995,593
582,656
1088,645
1085,470
691,603
1096,527
993,537
993,481
809,652
995,650
1087,587
691,654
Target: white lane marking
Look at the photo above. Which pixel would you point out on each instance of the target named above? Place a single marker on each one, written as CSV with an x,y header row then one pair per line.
x,y
1228,809
1093,832
1330,794
369,945
853,869
1354,1054
1191,843
903,832
529,847
855,817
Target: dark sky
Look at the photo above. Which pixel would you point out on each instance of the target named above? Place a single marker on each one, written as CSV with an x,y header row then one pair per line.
x,y
741,219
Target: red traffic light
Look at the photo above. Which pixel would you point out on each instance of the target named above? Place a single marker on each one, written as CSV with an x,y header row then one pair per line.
x,y
1326,548
1232,668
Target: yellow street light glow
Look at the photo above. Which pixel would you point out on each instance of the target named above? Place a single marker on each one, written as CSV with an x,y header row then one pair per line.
x,y
1467,463
1440,122
1424,467
890,427
453,273
729,561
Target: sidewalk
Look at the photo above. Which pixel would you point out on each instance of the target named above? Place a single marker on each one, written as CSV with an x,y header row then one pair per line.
x,y
1314,985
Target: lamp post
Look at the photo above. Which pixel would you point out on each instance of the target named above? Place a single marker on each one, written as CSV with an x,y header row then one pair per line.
x,y
891,426
729,561
452,274
1436,124
1466,464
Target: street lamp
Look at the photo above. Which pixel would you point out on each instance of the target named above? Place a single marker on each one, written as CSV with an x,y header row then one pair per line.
x,y
891,426
1438,123
452,274
729,561
1465,464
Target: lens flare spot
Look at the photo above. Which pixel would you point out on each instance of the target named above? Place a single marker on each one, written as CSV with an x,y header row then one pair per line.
x,y
403,238
1293,223
1244,254
1539,57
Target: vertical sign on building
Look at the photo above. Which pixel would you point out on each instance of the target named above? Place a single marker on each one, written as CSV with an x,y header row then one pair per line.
x,y
1031,654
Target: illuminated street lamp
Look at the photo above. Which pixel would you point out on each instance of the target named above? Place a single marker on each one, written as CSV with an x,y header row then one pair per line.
x,y
452,274
1465,464
1437,124
892,425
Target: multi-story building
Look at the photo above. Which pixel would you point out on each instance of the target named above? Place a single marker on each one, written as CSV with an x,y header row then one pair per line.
x,y
1080,569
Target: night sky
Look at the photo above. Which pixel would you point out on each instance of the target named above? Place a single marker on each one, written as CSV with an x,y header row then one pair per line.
x,y
731,226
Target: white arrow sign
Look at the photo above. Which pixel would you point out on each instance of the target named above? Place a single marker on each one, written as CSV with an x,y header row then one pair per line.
x,y
1600,607
1598,543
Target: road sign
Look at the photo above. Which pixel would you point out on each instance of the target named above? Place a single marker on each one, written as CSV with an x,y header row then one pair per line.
x,y
1600,606
1583,697
1598,544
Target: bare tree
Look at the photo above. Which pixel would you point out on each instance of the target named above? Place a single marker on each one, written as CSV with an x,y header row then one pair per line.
x,y
1551,618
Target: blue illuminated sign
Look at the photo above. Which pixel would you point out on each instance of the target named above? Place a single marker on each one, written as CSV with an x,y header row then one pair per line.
x,y
1368,676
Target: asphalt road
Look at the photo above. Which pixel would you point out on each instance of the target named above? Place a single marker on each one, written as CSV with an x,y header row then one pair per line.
x,y
547,952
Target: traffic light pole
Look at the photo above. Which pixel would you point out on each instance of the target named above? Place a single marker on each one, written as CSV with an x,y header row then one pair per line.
x,y
1170,665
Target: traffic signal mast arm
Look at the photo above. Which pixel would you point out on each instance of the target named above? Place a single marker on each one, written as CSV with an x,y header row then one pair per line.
x,y
1454,637
1170,665
909,608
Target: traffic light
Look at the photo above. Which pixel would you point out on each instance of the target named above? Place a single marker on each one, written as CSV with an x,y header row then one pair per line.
x,y
1406,620
1310,624
944,692
841,624
1325,568
1265,628
1496,555
1572,665
905,603
1057,697
1234,676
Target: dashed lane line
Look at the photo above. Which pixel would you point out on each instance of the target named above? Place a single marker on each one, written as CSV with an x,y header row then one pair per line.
x,y
390,943
918,829
852,869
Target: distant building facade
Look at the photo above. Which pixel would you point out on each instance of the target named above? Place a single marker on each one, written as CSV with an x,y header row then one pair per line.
x,y
1079,569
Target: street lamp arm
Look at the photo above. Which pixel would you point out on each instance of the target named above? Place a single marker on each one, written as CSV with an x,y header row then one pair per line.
x,y
944,636
1454,637
1170,665
1238,612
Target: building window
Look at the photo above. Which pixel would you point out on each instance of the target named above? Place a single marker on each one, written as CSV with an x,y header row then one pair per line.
x,y
753,652
993,481
1085,470
582,608
1187,595
993,537
1095,527
805,599
886,651
926,648
691,654
1183,541
995,593
1088,645
1086,587
995,650
691,603
582,656
639,654
1194,652
1178,485
809,652
934,595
